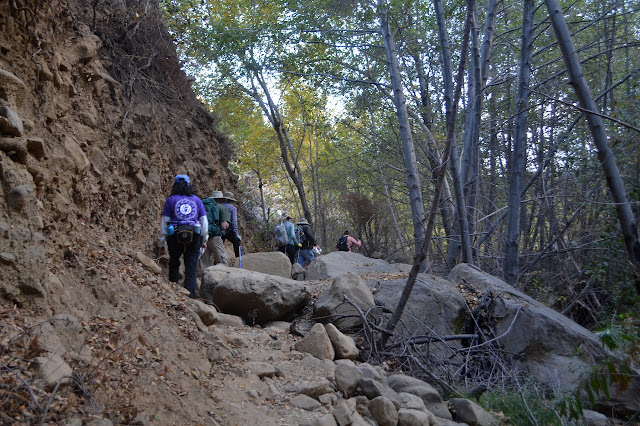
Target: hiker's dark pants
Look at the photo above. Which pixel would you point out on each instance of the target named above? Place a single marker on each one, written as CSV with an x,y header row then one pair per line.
x,y
191,253
290,250
233,237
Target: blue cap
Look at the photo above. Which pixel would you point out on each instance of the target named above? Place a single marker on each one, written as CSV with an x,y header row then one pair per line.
x,y
182,178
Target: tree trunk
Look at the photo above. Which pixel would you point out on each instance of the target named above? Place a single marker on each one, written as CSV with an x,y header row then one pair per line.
x,y
512,237
605,155
408,150
287,152
451,101
451,109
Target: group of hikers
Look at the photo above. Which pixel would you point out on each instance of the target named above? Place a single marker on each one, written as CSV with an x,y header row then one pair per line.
x,y
196,230
299,243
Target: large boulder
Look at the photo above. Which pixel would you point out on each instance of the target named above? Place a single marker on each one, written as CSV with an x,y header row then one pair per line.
x,y
254,296
331,306
338,262
272,263
553,348
434,302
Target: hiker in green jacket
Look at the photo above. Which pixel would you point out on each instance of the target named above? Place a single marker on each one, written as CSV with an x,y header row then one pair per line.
x,y
218,217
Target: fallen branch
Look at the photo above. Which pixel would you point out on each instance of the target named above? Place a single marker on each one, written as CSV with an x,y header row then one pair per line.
x,y
26,385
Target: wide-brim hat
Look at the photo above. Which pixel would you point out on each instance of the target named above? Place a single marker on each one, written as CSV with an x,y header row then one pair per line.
x,y
217,194
229,196
303,221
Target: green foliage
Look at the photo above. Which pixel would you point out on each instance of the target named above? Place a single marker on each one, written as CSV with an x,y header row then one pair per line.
x,y
522,406
329,52
622,338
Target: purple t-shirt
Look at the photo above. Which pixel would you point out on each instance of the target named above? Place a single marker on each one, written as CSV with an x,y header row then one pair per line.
x,y
183,209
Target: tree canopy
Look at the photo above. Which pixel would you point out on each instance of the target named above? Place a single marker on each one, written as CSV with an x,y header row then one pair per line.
x,y
342,110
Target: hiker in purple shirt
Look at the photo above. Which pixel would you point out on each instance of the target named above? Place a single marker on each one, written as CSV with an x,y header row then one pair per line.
x,y
185,228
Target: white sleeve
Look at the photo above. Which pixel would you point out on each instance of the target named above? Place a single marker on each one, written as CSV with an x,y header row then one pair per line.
x,y
204,227
163,229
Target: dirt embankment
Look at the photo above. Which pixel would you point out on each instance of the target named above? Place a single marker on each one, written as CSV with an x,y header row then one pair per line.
x,y
96,118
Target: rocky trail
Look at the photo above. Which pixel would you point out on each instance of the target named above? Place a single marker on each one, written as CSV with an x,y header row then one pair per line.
x,y
153,356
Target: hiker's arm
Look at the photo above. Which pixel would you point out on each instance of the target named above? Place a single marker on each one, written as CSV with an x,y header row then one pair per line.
x,y
163,229
355,242
233,214
204,228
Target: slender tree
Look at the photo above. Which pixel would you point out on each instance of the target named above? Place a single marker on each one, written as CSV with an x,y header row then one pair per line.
x,y
411,165
512,239
605,155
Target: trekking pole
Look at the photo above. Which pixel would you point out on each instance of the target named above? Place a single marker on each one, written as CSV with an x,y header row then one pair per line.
x,y
240,256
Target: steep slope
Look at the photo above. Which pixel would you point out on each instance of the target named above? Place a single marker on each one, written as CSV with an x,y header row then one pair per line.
x,y
96,117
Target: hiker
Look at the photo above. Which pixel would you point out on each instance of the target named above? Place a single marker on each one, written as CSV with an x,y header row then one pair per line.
x,y
306,242
347,241
185,227
286,238
231,232
219,218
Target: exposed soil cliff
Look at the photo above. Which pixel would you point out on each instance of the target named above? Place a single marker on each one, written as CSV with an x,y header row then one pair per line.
x,y
96,117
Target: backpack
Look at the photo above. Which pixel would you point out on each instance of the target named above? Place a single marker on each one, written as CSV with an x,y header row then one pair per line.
x,y
281,235
213,216
342,243
300,235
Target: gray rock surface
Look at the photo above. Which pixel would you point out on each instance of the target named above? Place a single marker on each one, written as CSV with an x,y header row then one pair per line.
x,y
429,395
469,412
272,263
256,297
330,305
336,263
551,347
316,343
343,345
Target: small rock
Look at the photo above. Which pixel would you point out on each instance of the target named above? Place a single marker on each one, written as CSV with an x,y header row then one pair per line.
x,y
593,418
260,369
414,418
142,419
17,198
7,258
315,389
325,420
347,378
384,411
316,343
328,398
305,402
232,320
100,422
343,345
10,122
469,412
148,263
52,369
36,147
208,314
